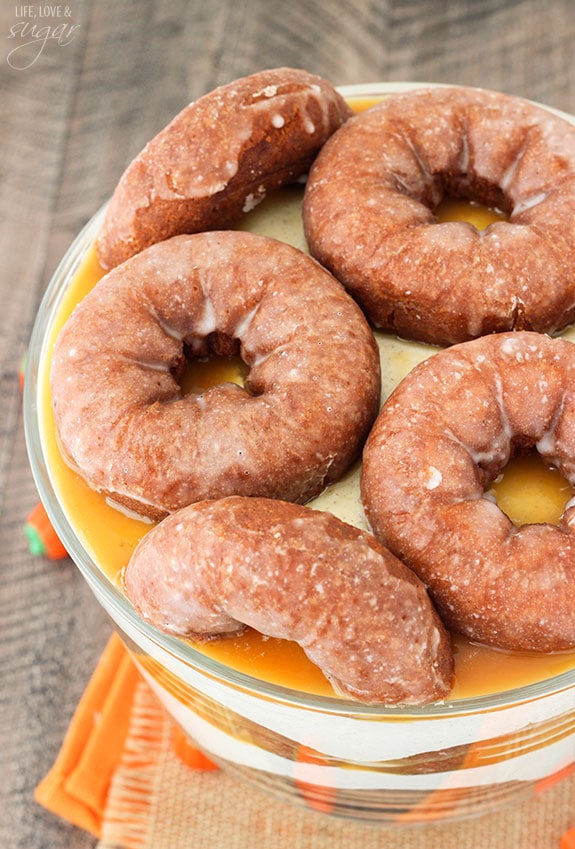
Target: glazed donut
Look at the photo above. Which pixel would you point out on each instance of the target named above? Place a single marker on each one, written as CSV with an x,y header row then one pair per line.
x,y
310,397
369,214
218,157
298,574
442,437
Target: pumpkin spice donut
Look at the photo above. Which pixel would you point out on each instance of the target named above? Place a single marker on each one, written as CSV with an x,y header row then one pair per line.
x,y
310,397
442,437
369,214
219,157
298,574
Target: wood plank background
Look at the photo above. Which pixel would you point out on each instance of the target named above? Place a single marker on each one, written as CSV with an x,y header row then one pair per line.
x,y
72,116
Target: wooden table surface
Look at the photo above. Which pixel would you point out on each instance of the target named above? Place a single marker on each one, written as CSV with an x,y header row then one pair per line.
x,y
76,107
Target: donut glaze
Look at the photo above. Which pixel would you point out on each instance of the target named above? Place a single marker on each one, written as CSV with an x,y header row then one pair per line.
x,y
444,434
310,397
298,574
219,157
369,214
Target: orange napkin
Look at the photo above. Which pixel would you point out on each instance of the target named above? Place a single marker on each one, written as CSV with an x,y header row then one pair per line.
x,y
77,786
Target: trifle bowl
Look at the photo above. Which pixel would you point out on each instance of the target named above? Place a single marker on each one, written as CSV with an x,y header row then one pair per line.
x,y
257,707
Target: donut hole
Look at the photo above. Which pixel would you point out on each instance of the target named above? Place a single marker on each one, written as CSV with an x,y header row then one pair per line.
x,y
479,205
531,491
216,361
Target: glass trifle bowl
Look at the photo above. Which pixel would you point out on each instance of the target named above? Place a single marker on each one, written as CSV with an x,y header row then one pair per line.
x,y
256,706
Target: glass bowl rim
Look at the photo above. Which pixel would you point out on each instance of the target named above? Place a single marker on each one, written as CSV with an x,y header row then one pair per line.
x,y
115,599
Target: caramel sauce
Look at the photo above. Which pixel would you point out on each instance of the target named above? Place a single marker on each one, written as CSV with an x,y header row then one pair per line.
x,y
456,209
530,491
527,491
201,374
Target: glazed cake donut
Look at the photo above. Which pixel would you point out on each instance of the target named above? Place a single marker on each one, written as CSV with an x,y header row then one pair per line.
x,y
369,214
298,574
219,157
310,397
442,437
